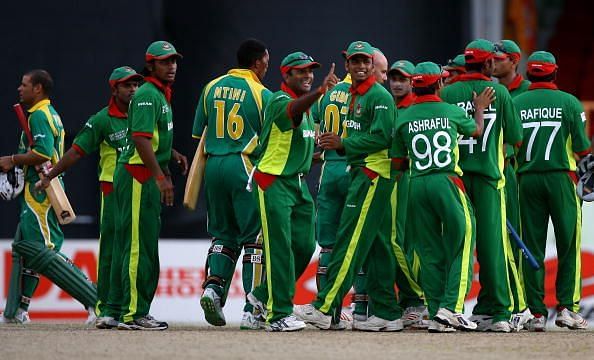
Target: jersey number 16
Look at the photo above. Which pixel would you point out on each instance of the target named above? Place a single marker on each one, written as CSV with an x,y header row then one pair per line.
x,y
233,120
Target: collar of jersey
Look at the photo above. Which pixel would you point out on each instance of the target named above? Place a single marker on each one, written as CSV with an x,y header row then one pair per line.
x,y
543,85
39,105
363,87
244,73
287,89
164,88
473,76
347,79
427,98
407,101
114,111
516,82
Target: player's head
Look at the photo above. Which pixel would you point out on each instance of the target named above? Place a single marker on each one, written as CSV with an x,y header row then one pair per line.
x,y
253,54
427,78
507,58
399,76
123,82
359,61
541,67
35,85
479,56
455,67
161,61
297,72
380,66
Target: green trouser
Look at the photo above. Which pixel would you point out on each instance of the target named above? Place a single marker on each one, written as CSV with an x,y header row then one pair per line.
x,y
287,214
363,237
444,239
137,229
108,302
234,223
512,209
552,194
492,246
407,262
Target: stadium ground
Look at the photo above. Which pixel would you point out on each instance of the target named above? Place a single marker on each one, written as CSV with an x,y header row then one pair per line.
x,y
73,341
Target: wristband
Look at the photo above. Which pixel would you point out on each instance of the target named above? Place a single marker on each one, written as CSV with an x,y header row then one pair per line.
x,y
160,177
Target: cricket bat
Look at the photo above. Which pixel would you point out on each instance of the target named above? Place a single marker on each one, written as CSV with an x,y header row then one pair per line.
x,y
55,191
195,175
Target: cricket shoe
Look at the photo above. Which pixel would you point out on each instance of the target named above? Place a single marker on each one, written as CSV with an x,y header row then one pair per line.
x,y
520,319
21,317
106,322
161,323
345,322
500,326
143,323
455,320
374,323
483,322
309,314
257,304
537,323
359,317
92,317
211,304
288,323
416,317
435,327
570,320
250,321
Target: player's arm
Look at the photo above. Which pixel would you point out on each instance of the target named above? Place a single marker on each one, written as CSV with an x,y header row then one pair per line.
x,y
398,152
29,158
201,116
512,125
70,158
580,144
481,102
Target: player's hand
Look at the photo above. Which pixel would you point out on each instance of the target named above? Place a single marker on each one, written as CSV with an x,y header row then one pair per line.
x,y
166,188
42,184
484,99
181,160
330,141
6,163
329,81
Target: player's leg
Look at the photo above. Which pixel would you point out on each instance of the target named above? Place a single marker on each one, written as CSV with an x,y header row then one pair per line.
x,y
14,298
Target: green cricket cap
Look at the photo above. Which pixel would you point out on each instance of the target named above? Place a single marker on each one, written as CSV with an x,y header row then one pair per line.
x,y
404,67
427,73
541,63
478,51
456,63
122,74
298,60
160,50
359,48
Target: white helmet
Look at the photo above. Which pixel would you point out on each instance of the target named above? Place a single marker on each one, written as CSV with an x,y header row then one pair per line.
x,y
585,187
11,183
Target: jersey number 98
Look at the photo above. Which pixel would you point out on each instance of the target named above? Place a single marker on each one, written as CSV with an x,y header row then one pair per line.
x,y
433,150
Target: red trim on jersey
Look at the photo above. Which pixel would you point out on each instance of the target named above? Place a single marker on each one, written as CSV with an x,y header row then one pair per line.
x,y
406,101
427,98
370,173
397,163
583,153
164,88
114,111
573,176
139,172
288,90
458,182
79,150
106,187
264,180
143,134
363,87
543,85
473,76
516,82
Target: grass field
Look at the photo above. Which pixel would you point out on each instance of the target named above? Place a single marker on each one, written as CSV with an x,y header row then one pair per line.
x,y
73,341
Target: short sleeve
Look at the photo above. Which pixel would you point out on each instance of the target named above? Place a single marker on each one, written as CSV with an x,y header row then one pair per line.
x,y
512,125
42,135
278,112
580,143
143,114
90,136
201,117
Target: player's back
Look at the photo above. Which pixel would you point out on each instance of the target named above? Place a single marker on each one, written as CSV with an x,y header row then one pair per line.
x,y
331,112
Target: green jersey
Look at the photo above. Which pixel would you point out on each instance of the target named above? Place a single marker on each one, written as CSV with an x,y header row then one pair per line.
x,y
286,150
105,131
427,133
485,155
553,123
331,111
48,135
518,86
368,127
150,115
232,107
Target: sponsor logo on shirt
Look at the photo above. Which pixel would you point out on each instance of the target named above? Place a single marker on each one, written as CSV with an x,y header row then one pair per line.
x,y
358,110
583,115
118,135
165,109
309,134
169,126
145,103
352,124
381,107
38,136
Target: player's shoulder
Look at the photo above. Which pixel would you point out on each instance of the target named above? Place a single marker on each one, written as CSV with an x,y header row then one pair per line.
x,y
381,94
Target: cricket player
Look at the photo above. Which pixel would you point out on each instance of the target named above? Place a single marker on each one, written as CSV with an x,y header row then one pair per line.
x,y
38,239
427,135
285,204
553,123
104,132
481,160
142,180
455,67
365,225
232,106
506,70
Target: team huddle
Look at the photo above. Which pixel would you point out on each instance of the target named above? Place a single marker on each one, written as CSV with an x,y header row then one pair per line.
x,y
415,178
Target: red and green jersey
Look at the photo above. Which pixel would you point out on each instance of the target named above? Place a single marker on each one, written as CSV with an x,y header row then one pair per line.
x,y
518,86
48,135
105,131
232,106
405,103
553,123
286,150
150,115
331,111
427,133
368,128
485,155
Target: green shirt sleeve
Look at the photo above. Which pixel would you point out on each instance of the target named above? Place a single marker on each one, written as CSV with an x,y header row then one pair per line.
x,y
577,115
277,111
398,149
466,124
90,136
315,110
42,135
512,126
201,118
145,112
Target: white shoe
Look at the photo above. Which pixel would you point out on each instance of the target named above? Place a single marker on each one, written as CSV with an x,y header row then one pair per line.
x,y
359,317
500,326
288,323
483,322
435,327
520,319
570,320
374,323
251,322
345,322
21,317
416,317
92,317
211,304
536,324
106,322
455,320
257,304
313,316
